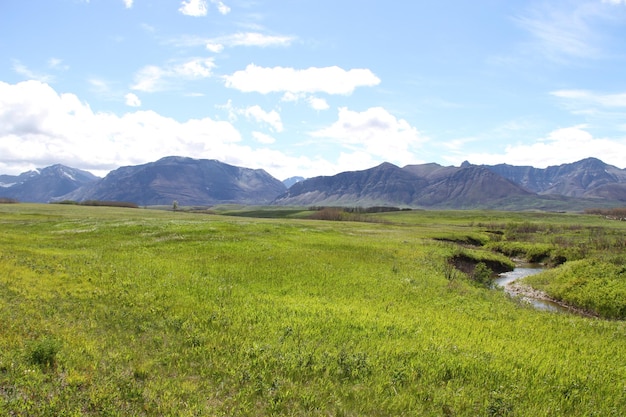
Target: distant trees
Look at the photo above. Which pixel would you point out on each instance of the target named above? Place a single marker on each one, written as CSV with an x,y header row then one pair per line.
x,y
99,203
614,213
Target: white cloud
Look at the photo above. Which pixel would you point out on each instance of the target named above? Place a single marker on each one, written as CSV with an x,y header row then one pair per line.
x,y
263,138
153,78
590,97
330,80
247,39
256,113
561,146
40,127
215,47
132,100
318,103
199,8
565,30
376,133
272,118
29,74
196,8
128,3
221,7
57,64
560,33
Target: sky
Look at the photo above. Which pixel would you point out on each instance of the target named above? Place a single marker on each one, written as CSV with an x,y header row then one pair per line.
x,y
311,87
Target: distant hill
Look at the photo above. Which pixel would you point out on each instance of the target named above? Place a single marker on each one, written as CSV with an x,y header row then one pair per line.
x,y
384,184
429,185
588,183
45,184
588,178
186,180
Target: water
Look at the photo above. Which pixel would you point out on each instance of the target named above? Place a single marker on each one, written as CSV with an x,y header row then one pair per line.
x,y
521,272
518,273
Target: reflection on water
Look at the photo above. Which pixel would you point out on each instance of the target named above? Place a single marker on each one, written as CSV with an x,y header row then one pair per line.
x,y
523,271
517,273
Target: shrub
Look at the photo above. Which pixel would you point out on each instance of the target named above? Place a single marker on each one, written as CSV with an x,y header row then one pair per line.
x,y
98,203
328,213
44,352
482,274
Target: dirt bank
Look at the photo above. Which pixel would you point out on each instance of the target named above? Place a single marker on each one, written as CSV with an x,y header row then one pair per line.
x,y
528,294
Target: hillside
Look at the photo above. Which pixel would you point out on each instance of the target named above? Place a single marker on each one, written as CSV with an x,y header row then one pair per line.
x,y
44,185
584,184
414,186
186,180
588,178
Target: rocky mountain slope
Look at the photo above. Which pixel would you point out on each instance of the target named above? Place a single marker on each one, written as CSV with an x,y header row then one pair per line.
x,y
43,185
588,178
428,185
583,184
185,180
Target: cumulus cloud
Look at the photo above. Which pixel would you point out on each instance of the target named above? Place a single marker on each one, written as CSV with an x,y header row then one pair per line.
x,y
256,113
565,145
199,8
330,80
132,100
374,135
218,44
196,8
271,118
153,78
317,103
263,138
40,127
221,7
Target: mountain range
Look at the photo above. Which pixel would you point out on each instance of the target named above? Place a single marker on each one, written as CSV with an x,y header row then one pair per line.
x,y
202,182
43,185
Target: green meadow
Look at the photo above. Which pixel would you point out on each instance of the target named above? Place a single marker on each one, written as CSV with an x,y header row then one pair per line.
x,y
115,312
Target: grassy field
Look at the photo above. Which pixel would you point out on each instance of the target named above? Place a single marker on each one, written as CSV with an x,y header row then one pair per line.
x,y
111,311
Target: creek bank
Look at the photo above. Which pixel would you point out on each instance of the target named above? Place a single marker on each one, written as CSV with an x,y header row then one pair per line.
x,y
509,282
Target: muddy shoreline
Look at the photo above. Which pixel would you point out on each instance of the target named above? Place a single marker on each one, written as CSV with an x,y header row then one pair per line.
x,y
527,294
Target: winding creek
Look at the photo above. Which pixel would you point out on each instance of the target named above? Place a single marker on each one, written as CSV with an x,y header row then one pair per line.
x,y
507,281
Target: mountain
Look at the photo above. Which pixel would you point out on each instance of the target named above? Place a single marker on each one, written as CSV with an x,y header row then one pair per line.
x,y
292,180
45,184
589,183
186,180
588,178
429,185
381,185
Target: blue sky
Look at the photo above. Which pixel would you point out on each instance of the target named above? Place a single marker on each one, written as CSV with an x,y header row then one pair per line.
x,y
311,87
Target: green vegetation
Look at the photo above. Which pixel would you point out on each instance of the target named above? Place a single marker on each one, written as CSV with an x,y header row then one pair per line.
x,y
110,311
594,285
100,203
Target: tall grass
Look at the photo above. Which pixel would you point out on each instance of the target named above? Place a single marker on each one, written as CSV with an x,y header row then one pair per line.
x,y
162,313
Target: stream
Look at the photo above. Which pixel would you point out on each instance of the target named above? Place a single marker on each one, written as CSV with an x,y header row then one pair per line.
x,y
520,272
